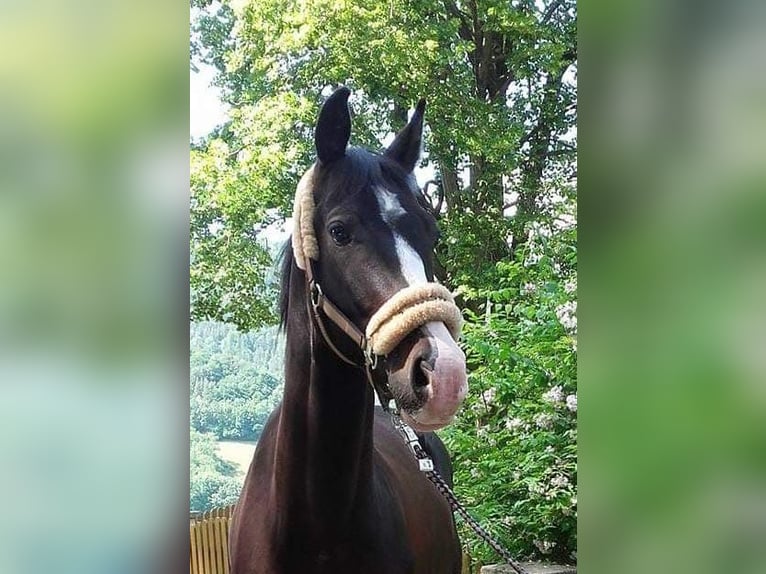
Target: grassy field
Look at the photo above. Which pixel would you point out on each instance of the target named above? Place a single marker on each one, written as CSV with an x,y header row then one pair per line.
x,y
239,453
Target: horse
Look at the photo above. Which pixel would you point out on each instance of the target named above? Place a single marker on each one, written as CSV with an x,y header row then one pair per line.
x,y
333,487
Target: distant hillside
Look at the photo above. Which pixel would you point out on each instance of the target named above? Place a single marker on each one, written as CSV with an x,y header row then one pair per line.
x,y
235,379
235,382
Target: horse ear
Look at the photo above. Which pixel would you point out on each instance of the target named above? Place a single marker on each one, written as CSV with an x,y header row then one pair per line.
x,y
333,128
405,149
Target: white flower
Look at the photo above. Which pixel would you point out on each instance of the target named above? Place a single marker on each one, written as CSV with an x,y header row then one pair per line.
x,y
513,424
532,259
544,546
536,489
528,288
559,481
549,449
475,472
554,396
570,286
489,395
572,403
544,420
567,315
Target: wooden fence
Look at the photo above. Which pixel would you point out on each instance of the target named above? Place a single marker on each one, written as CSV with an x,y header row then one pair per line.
x,y
209,546
209,543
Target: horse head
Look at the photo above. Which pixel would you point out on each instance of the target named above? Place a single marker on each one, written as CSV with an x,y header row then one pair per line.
x,y
367,239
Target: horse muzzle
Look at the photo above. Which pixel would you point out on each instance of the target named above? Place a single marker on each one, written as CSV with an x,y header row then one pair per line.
x,y
432,382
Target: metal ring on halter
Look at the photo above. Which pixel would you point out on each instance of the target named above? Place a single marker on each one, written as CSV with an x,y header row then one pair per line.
x,y
370,358
315,294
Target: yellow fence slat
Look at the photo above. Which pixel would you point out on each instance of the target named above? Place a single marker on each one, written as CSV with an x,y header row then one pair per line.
x,y
215,524
215,540
193,568
223,527
211,543
202,549
209,546
202,545
206,546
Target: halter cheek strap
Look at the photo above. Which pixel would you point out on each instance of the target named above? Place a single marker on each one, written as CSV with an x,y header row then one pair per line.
x,y
321,305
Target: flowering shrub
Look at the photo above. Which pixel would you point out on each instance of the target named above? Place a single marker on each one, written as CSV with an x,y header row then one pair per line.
x,y
514,445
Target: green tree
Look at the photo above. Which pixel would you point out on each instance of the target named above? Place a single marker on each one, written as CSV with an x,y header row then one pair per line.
x,y
235,379
212,480
516,435
498,77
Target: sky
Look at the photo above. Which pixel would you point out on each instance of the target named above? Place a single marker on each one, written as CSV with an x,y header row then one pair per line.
x,y
206,111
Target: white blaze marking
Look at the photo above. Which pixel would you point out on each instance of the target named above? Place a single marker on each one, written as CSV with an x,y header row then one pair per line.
x,y
390,208
410,262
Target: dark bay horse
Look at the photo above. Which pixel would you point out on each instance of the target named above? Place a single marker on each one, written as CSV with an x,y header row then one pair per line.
x,y
333,487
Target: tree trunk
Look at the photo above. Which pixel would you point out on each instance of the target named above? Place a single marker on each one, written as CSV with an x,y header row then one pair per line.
x,y
533,165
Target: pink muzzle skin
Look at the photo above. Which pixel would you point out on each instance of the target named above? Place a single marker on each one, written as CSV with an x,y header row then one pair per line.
x,y
447,383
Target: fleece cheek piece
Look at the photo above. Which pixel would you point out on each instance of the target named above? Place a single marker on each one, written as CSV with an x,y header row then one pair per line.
x,y
407,310
305,244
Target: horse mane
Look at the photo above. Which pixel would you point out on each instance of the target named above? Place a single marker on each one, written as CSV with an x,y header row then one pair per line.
x,y
286,261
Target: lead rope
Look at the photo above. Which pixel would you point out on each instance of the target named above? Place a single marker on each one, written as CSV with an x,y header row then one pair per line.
x,y
426,466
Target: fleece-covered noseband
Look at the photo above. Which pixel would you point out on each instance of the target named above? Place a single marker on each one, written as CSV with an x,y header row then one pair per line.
x,y
404,312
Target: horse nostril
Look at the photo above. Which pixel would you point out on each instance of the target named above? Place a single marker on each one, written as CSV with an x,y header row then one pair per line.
x,y
422,374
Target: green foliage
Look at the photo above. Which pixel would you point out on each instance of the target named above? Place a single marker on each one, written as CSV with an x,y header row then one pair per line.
x,y
516,436
500,118
235,384
213,482
235,380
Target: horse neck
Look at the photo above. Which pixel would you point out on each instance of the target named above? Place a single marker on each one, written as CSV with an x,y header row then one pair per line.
x,y
324,441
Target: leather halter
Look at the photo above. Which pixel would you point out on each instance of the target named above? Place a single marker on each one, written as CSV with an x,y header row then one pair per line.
x,y
320,305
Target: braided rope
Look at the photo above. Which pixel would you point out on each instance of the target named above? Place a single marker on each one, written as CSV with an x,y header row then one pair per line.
x,y
421,455
454,503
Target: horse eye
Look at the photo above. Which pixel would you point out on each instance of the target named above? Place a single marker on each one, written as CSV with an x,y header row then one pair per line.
x,y
339,234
